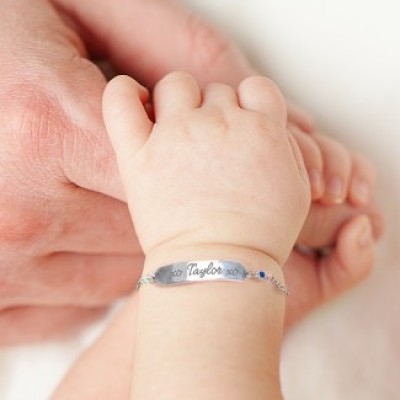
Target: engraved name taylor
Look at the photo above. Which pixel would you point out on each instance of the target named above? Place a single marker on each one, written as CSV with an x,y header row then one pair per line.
x,y
211,270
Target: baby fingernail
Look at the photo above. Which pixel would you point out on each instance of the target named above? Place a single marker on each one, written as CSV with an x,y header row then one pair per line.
x,y
315,180
335,189
365,233
361,191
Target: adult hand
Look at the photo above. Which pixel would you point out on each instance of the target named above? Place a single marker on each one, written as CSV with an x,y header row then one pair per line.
x,y
347,259
67,247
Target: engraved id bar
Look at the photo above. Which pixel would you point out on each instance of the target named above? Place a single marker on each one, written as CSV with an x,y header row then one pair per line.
x,y
200,271
208,270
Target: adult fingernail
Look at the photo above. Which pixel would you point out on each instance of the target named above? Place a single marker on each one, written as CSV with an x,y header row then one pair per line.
x,y
335,189
365,233
361,191
315,180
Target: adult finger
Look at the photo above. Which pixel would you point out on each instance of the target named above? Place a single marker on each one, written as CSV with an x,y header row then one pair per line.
x,y
324,223
164,37
312,160
298,156
352,259
362,180
46,76
35,324
300,117
89,223
148,39
68,279
337,169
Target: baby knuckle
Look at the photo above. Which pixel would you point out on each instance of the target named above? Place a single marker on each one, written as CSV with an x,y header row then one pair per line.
x,y
261,83
257,81
214,123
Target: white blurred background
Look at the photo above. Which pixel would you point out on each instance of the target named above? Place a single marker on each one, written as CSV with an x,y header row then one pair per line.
x,y
341,60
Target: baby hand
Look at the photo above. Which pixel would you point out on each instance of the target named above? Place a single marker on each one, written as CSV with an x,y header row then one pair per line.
x,y
217,166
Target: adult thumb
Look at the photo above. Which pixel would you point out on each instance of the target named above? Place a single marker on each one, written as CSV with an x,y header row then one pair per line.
x,y
149,39
324,223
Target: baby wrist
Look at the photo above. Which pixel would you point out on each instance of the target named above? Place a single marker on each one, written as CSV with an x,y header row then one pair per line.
x,y
237,231
253,311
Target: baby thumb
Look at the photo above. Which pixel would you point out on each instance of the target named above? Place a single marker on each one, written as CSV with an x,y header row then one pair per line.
x,y
126,119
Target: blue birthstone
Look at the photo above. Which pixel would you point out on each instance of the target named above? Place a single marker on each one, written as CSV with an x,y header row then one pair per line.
x,y
262,274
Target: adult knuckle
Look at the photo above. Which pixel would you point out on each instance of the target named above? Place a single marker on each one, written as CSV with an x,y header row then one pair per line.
x,y
31,122
26,135
20,224
208,45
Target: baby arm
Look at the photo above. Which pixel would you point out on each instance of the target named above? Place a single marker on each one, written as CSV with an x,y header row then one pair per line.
x,y
216,177
312,281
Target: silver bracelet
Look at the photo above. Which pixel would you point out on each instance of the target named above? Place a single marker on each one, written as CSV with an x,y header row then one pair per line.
x,y
209,270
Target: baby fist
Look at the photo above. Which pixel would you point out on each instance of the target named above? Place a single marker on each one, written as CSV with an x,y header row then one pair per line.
x,y
217,166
